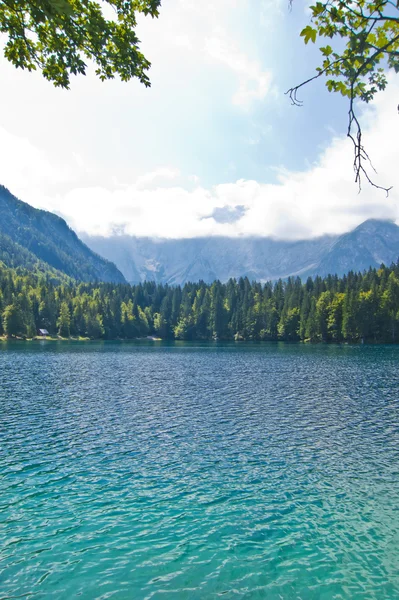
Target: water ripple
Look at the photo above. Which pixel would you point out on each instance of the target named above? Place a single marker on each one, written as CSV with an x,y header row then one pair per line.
x,y
196,471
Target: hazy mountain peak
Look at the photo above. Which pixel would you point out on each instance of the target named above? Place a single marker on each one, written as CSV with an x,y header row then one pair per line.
x,y
177,261
376,224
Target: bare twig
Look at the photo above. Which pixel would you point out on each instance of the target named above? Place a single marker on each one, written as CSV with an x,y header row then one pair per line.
x,y
360,154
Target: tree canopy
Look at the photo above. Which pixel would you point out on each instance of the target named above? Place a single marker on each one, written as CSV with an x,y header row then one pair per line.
x,y
364,44
60,36
355,307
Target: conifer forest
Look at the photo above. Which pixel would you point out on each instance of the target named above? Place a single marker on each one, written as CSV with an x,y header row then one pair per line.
x,y
359,307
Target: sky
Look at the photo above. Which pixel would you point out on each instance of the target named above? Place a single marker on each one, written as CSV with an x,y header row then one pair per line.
x,y
214,147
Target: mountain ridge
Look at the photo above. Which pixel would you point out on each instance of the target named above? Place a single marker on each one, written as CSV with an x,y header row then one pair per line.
x,y
46,239
37,239
371,243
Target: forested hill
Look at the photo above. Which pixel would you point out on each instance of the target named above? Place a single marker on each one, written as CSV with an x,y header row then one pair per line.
x,y
30,237
356,307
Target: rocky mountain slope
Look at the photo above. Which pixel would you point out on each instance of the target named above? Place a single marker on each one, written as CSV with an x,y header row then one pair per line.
x,y
370,244
261,259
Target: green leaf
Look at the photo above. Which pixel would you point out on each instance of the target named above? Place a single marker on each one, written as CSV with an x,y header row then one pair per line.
x,y
326,50
309,34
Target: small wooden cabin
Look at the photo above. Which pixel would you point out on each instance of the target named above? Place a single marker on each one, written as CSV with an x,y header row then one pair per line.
x,y
43,333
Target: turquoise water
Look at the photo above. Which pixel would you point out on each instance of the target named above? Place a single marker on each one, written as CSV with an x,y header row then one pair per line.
x,y
199,471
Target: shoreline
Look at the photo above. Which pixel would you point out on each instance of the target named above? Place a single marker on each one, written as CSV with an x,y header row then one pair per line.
x,y
210,341
50,338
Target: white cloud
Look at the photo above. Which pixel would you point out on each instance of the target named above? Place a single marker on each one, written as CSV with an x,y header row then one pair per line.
x,y
156,178
21,160
322,199
254,83
212,31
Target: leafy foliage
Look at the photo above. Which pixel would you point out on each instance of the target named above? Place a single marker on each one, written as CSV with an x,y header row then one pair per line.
x,y
359,306
60,36
365,34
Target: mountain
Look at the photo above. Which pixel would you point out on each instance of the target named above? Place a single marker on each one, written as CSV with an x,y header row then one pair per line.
x,y
37,239
32,238
178,261
369,245
261,259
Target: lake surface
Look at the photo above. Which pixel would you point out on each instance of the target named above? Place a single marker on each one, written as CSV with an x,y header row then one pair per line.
x,y
189,471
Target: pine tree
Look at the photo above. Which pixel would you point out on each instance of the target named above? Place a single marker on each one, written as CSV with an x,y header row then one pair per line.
x,y
64,320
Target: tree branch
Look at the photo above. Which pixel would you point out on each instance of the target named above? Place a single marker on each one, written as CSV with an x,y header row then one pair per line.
x,y
293,92
352,79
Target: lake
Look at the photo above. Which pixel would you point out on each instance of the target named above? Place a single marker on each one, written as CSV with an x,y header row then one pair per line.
x,y
196,471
